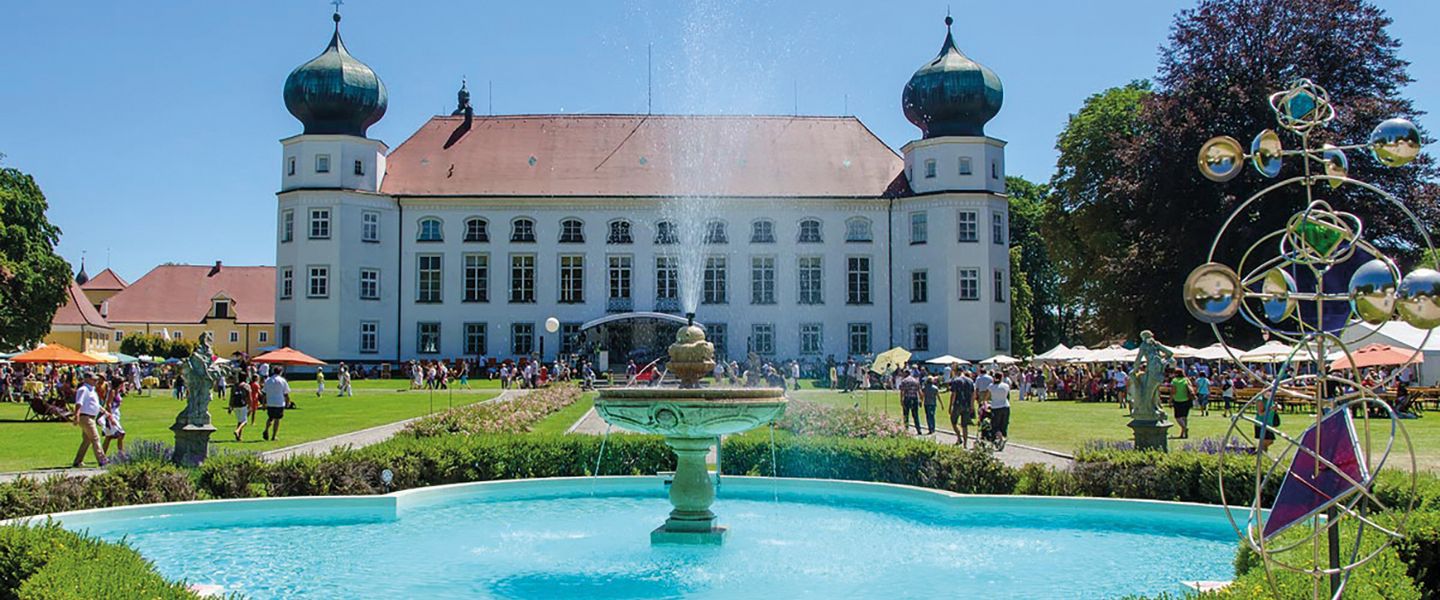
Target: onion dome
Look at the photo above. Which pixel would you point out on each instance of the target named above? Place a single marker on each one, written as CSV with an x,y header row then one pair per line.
x,y
334,93
951,94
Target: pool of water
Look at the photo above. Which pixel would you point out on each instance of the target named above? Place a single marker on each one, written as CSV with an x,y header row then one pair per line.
x,y
575,539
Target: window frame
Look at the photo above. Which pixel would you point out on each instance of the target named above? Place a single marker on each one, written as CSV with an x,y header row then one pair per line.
x,y
922,219
717,232
812,342
476,284
1000,293
319,224
919,286
429,229
421,334
765,332
714,288
359,167
920,337
856,330
972,226
524,292
373,335
666,233
859,284
374,275
423,292
322,163
757,236
572,231
803,233
522,230
287,225
474,234
863,234
472,330
930,168
620,232
287,283
571,279
620,277
370,226
310,279
998,232
762,286
960,281
804,273
516,335
966,166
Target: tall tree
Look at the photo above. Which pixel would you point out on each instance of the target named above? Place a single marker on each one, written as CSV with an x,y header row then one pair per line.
x,y
32,277
1022,321
1152,217
1034,270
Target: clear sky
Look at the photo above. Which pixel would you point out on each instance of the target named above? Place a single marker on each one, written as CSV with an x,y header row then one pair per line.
x,y
153,127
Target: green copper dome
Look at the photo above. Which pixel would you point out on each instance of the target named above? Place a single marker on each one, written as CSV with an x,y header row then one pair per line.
x,y
951,94
334,93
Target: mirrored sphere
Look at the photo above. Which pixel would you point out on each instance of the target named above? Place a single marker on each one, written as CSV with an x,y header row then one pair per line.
x,y
1220,158
1212,293
1336,163
1265,152
1395,142
1419,299
1277,286
1372,292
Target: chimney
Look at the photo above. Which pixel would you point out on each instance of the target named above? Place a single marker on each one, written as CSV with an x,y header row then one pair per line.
x,y
215,270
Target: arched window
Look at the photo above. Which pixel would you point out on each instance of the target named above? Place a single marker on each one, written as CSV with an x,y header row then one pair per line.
x,y
522,230
715,233
619,233
572,231
762,231
477,230
666,234
810,232
857,229
431,230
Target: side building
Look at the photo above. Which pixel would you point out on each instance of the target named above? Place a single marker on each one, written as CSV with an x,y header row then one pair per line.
x,y
235,304
77,325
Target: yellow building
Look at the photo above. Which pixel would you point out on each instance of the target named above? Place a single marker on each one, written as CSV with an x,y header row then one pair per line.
x,y
236,304
101,287
78,325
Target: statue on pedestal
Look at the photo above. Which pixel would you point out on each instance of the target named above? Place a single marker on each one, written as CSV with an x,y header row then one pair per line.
x,y
201,373
1152,363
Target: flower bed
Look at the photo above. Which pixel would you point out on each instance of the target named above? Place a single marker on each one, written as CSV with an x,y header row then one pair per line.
x,y
515,415
806,418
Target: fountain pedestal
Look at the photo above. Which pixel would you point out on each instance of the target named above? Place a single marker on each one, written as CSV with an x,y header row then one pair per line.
x,y
691,493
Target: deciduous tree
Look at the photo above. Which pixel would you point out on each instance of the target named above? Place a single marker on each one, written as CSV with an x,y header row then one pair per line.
x,y
32,277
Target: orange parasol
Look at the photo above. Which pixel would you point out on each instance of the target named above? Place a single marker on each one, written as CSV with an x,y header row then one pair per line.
x,y
288,356
1378,355
54,353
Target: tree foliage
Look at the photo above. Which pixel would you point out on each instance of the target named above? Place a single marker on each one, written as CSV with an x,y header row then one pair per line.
x,y
32,277
155,345
1022,302
1044,310
1135,215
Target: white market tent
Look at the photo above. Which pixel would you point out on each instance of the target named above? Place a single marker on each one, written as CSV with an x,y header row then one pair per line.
x,y
1059,353
999,359
1216,351
1183,351
947,360
1275,351
1400,335
1113,353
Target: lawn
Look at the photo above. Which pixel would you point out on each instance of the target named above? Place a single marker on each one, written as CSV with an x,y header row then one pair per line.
x,y
35,445
1064,426
561,421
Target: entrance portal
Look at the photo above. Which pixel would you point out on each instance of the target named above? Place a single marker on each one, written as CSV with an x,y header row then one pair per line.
x,y
639,336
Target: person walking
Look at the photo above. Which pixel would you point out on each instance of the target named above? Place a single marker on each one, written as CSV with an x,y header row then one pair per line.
x,y
1182,392
277,397
910,401
931,396
112,428
87,409
795,373
999,407
319,381
962,406
239,405
1202,393
344,379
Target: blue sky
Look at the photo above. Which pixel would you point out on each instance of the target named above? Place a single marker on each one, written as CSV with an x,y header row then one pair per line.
x,y
153,127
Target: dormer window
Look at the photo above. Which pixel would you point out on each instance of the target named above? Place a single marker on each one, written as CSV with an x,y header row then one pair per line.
x,y
929,168
665,234
431,230
359,167
221,310
322,163
810,232
572,231
522,230
477,230
715,233
762,232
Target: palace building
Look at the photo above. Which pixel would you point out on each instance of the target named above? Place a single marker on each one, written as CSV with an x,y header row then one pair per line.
x,y
816,239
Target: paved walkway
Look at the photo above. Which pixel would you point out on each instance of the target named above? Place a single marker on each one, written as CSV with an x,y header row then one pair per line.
x,y
354,439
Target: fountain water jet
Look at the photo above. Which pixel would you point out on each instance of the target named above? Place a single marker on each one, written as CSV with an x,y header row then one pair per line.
x,y
690,418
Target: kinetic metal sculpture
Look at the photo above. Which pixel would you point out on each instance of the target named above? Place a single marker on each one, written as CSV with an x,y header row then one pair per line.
x,y
1306,284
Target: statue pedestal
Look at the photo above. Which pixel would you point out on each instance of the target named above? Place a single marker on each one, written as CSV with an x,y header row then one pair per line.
x,y
1151,434
192,444
691,493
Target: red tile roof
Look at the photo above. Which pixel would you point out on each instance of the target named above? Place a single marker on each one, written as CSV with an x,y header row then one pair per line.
x,y
642,155
105,281
182,294
77,310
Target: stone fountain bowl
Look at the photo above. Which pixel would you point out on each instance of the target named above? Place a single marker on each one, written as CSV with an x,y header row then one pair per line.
x,y
704,412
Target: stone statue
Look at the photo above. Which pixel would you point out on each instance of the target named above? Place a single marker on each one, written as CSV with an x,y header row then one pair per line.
x,y
201,372
1152,361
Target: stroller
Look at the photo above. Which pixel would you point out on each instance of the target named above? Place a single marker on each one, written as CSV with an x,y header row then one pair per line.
x,y
988,433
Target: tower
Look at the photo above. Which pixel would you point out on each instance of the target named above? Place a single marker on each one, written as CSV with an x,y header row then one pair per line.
x,y
956,216
333,224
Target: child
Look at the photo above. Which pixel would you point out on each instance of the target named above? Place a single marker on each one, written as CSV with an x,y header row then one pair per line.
x,y
113,430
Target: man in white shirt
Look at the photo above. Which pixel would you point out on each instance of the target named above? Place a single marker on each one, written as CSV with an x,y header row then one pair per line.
x,y
277,397
983,381
1000,408
87,409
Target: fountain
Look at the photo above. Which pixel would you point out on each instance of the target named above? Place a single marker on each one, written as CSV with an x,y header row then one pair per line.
x,y
691,418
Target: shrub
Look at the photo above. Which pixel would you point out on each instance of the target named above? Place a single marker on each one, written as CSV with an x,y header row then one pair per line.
x,y
807,418
515,415
1383,577
1394,489
417,462
899,460
46,561
1421,551
232,476
1177,476
1036,479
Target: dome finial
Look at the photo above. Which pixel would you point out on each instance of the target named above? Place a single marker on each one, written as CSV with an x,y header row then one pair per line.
x,y
334,93
336,16
948,20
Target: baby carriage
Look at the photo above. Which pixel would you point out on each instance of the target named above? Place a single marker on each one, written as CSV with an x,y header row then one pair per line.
x,y
988,434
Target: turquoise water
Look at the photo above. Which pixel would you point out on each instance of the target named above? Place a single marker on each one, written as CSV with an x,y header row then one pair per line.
x,y
781,545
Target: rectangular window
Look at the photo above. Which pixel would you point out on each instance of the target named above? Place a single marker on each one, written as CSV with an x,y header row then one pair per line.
x,y
811,278
290,166
284,336
322,163
522,279
714,282
762,280
919,286
762,338
287,283
999,285
716,333
221,309
287,226
369,284
234,337
369,226
919,228
621,277
994,169
1002,336
427,338
477,278
929,168
965,168
319,223
997,228
969,283
920,338
430,276
969,226
319,286
857,273
572,279
522,339
667,283
812,338
119,335
859,339
265,336
359,167
570,338
474,339
177,335
369,337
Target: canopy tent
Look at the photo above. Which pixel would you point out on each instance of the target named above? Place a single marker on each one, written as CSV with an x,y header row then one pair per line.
x,y
1059,353
1113,353
124,358
947,360
1073,354
103,357
1183,351
289,356
1000,359
1404,336
54,353
1275,351
1378,355
1216,351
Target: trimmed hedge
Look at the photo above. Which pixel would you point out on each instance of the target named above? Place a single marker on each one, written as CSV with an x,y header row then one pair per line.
x,y
47,562
904,461
138,483
1176,476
